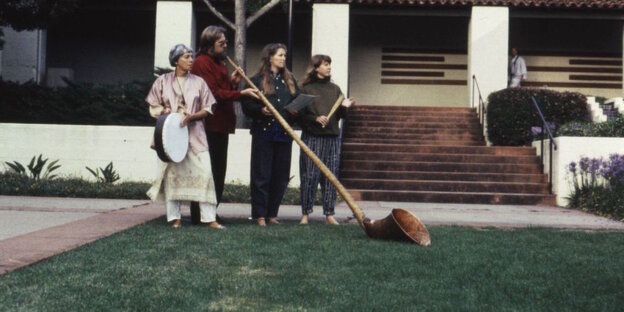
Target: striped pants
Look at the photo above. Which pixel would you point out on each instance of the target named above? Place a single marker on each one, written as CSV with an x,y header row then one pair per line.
x,y
327,148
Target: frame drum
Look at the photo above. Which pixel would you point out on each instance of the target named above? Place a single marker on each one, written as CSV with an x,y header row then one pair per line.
x,y
171,140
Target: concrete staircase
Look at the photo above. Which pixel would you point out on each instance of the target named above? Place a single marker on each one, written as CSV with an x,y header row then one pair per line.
x,y
435,154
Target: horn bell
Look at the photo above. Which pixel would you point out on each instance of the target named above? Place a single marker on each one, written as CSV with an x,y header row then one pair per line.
x,y
400,225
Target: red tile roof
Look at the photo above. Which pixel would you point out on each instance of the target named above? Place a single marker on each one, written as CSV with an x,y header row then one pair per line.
x,y
569,4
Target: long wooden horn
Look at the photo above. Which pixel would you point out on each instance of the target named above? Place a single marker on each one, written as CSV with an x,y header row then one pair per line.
x,y
336,105
357,212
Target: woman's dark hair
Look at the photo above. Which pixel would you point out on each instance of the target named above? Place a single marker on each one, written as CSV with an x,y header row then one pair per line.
x,y
315,62
265,70
209,36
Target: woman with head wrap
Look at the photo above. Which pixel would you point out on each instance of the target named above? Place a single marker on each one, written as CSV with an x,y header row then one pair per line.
x,y
191,179
271,146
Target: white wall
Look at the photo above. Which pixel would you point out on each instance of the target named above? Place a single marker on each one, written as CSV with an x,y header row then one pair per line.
x,y
488,40
571,149
127,147
24,55
175,23
330,36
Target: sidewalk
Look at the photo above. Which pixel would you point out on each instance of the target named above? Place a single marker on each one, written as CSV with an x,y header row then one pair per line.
x,y
36,228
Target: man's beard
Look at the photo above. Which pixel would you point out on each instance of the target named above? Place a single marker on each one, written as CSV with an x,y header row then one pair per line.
x,y
220,56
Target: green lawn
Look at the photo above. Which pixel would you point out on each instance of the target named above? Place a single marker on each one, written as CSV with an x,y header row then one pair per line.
x,y
322,268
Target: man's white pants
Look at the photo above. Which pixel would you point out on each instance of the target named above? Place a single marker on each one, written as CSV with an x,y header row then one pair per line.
x,y
515,82
207,211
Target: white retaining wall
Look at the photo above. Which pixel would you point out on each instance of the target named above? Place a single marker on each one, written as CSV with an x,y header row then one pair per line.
x,y
571,149
127,147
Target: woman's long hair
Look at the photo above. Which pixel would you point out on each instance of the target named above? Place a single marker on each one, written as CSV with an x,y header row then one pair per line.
x,y
265,70
316,61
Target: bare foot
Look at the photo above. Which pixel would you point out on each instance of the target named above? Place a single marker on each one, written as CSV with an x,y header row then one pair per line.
x,y
331,220
304,219
261,222
216,225
177,223
273,221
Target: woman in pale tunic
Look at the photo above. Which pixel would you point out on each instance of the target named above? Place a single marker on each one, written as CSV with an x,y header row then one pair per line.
x,y
191,179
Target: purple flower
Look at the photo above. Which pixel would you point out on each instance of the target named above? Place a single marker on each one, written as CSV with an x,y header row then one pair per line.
x,y
584,164
572,167
594,166
613,169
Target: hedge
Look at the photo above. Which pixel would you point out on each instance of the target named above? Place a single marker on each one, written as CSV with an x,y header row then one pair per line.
x,y
120,104
511,113
21,185
15,184
610,128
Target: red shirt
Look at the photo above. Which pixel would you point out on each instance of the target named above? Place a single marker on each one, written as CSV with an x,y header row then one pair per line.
x,y
216,75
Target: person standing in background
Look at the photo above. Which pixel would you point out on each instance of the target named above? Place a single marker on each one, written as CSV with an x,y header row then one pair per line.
x,y
517,69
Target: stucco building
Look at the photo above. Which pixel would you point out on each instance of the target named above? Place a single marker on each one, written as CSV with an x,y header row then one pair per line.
x,y
385,52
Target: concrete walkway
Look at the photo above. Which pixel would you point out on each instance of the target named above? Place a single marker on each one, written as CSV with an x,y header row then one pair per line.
x,y
36,228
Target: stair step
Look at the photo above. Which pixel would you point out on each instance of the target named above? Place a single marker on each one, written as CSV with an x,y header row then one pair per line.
x,y
433,117
411,108
416,130
413,136
357,124
446,141
426,157
440,166
421,114
453,197
483,150
443,176
447,186
435,154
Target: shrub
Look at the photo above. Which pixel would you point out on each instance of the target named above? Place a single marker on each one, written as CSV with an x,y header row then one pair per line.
x,y
109,175
611,128
14,184
598,185
36,169
21,185
511,113
120,104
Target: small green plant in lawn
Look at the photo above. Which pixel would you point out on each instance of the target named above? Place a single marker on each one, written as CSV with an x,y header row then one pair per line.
x,y
109,175
36,168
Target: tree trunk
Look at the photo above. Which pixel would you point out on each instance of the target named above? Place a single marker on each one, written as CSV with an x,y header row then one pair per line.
x,y
240,38
240,47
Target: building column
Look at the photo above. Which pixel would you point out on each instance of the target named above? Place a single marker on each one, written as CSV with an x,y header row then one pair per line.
x,y
330,36
24,55
175,23
488,45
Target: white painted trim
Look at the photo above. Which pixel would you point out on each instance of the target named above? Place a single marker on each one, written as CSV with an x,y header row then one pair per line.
x,y
488,40
330,36
175,23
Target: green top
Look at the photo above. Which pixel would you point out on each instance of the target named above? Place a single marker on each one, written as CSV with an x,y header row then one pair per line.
x,y
327,93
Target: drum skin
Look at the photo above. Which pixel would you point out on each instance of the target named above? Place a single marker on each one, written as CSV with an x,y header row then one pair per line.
x,y
171,141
